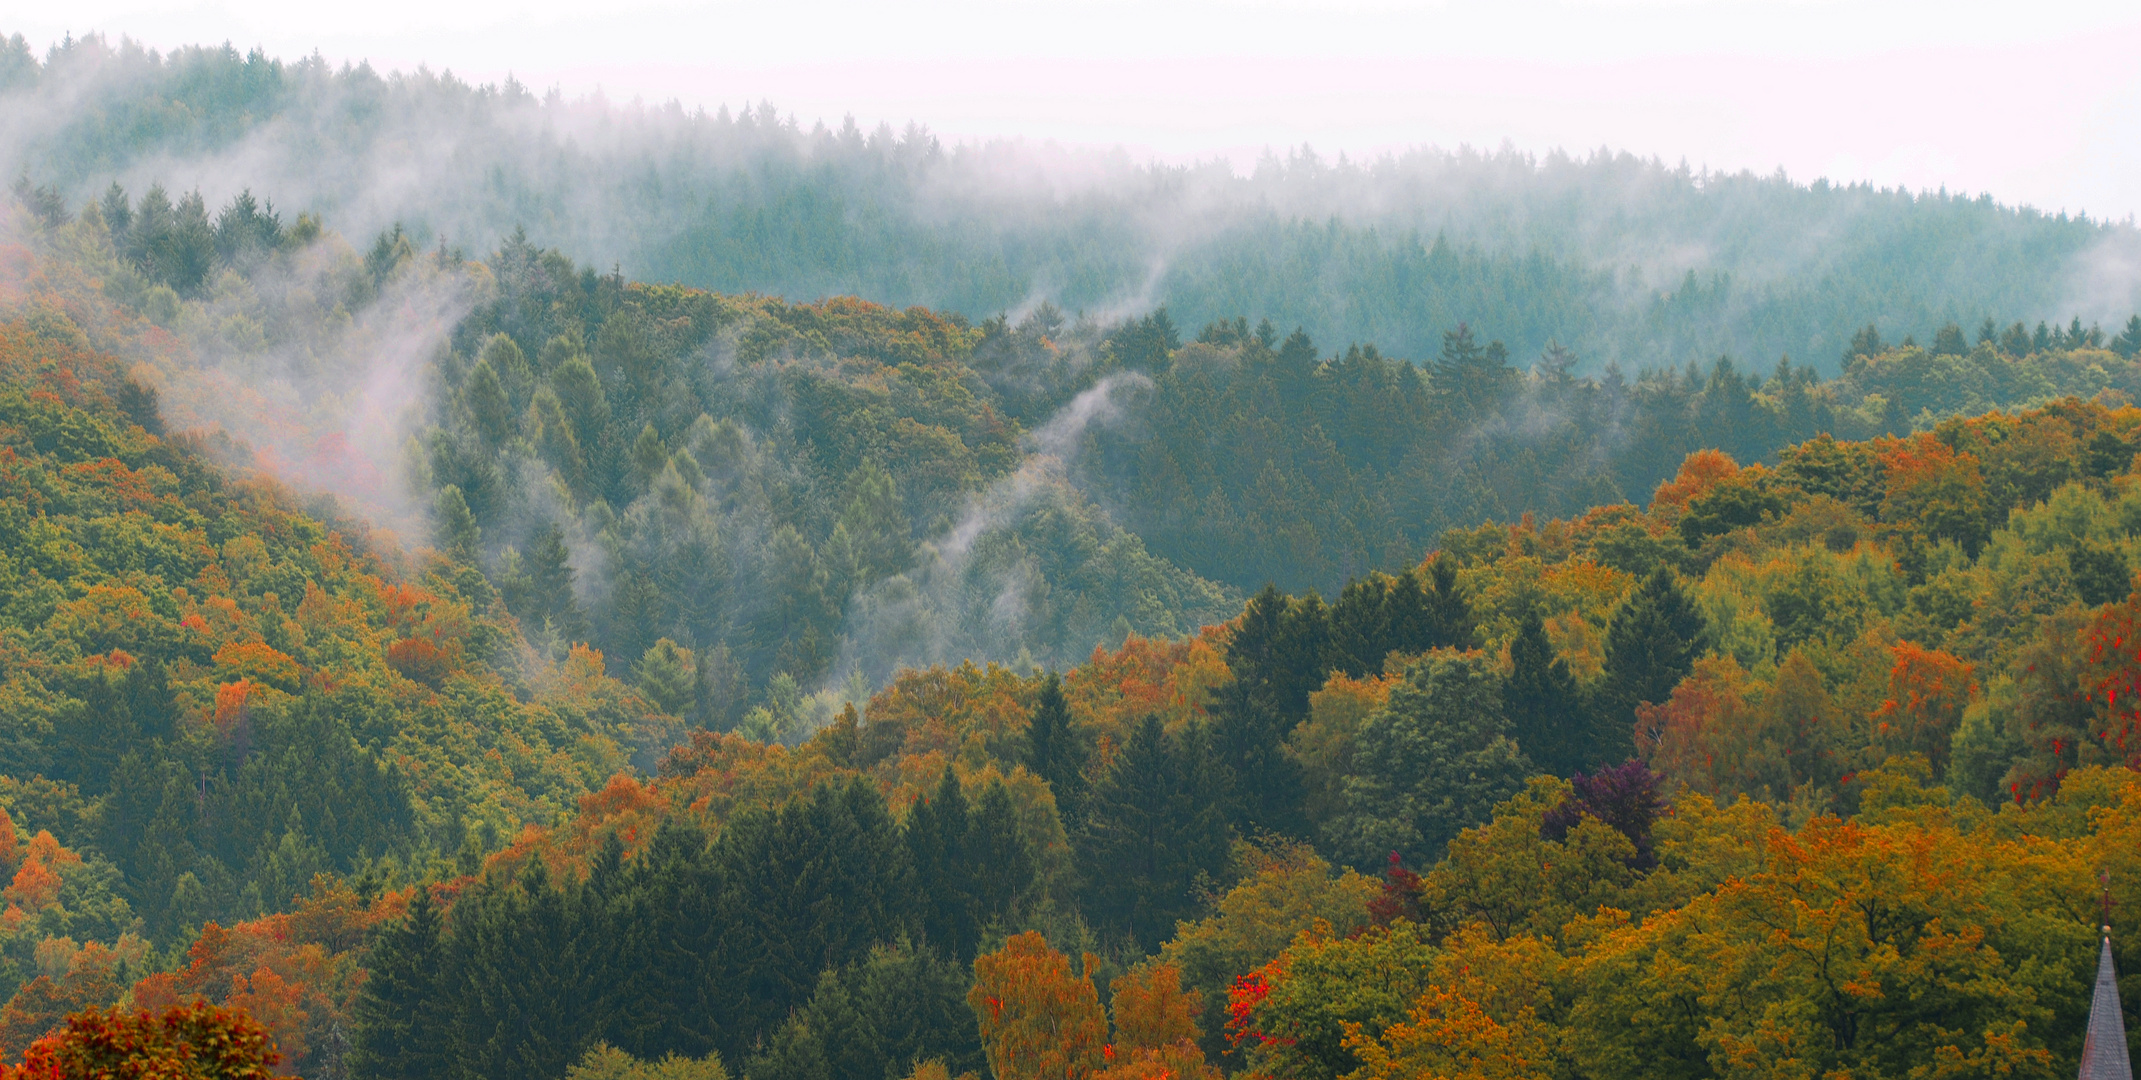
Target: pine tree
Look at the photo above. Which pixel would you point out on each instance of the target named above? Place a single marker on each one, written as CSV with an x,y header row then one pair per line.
x,y
1360,627
1154,827
402,1004
1650,647
1546,710
1055,753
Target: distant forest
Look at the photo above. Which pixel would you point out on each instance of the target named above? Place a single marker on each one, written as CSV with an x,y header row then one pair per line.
x,y
1616,258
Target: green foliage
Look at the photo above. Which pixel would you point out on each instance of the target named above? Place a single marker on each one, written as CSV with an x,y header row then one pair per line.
x,y
1155,825
1432,761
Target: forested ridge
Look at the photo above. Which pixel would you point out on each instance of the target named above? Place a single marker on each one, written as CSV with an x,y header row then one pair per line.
x,y
446,667
1643,262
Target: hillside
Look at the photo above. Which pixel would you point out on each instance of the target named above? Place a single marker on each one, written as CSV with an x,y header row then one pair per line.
x,y
472,667
1640,262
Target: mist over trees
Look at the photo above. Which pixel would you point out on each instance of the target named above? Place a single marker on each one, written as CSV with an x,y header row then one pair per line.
x,y
1617,258
426,660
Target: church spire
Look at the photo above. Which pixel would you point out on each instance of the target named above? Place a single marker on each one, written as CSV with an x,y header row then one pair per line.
x,y
2104,1049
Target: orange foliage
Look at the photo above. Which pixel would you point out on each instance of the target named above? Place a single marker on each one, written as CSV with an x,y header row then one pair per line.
x,y
1692,737
37,882
1151,1008
197,1040
419,659
1935,489
231,701
259,662
291,971
1699,472
1038,1020
939,710
1173,680
1927,693
10,845
73,978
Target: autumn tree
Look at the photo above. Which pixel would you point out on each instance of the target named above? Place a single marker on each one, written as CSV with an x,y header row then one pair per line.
x,y
1038,1020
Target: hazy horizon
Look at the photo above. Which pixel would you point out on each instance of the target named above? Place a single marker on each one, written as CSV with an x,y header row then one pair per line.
x,y
1913,96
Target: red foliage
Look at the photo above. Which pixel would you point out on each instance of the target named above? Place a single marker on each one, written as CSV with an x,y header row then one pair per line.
x,y
1248,992
1400,898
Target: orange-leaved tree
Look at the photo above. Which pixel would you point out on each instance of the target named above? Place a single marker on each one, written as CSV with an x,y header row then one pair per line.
x,y
1155,1028
1038,1020
1927,693
189,1042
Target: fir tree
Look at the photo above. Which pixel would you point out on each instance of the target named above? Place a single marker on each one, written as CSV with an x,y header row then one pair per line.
x,y
1055,753
1546,710
1651,646
1154,828
401,1005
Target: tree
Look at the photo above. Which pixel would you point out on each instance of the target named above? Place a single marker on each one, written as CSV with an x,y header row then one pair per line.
x,y
605,1062
2128,343
1435,759
876,1019
1547,714
456,530
1448,623
401,1034
1651,645
1056,753
1038,1021
1155,824
1360,627
668,675
194,1042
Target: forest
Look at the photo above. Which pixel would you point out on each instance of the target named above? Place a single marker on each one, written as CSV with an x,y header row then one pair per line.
x,y
418,665
1643,262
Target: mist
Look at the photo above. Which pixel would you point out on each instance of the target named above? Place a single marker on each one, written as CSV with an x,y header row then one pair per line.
x,y
1624,259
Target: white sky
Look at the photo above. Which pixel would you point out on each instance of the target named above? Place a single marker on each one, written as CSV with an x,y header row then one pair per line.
x,y
2037,103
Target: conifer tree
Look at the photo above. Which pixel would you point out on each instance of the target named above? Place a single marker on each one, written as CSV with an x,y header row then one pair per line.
x,y
1055,753
1651,645
401,1033
1448,622
1154,826
1546,710
1360,627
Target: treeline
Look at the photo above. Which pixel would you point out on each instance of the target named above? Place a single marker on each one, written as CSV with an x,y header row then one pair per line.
x,y
700,945
1254,459
1581,250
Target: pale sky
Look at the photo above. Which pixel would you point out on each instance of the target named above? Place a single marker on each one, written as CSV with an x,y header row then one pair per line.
x,y
2036,104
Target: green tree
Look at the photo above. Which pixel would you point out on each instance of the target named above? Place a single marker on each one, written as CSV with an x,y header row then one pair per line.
x,y
402,1031
1154,827
1055,752
1434,760
1651,645
1547,713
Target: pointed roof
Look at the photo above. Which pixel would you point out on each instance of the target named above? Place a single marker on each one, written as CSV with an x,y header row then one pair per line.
x,y
2104,1050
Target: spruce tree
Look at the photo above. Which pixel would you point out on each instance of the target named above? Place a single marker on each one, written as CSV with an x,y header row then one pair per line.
x,y
1650,647
944,869
1449,616
1154,828
1055,753
1360,627
402,1005
1546,711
